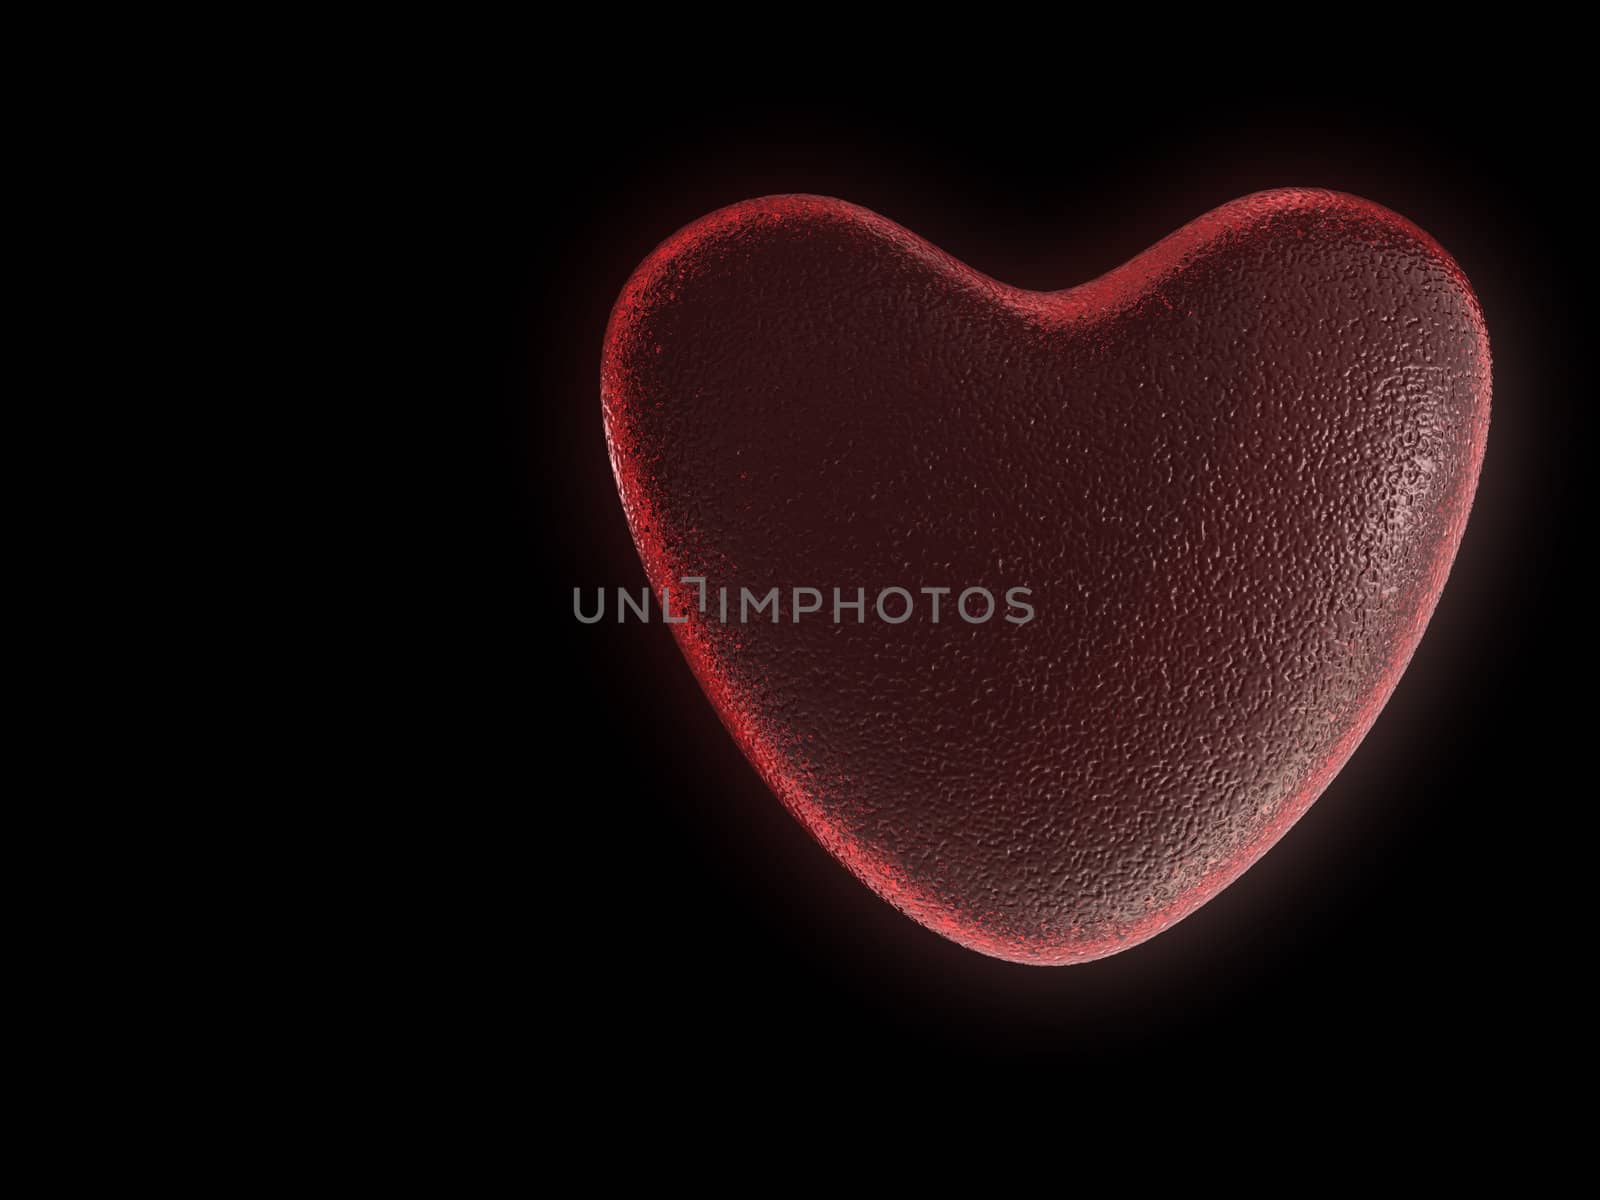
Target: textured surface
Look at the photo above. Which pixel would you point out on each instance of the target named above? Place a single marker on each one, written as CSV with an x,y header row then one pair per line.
x,y
1233,473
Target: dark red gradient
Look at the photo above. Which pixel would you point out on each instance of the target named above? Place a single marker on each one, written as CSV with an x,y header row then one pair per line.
x,y
1234,473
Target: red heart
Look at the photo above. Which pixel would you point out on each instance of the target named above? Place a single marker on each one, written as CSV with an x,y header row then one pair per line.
x,y
1232,474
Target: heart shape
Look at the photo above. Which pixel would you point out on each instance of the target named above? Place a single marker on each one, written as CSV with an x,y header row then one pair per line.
x,y
1231,477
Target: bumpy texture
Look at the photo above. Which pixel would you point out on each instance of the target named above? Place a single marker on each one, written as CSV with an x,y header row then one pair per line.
x,y
1233,473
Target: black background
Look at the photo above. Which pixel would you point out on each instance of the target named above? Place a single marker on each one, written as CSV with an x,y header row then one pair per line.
x,y
624,873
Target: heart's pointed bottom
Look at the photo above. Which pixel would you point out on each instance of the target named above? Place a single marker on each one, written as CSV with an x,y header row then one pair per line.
x,y
1232,475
